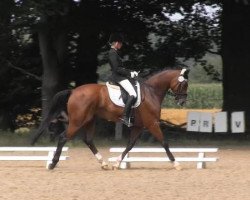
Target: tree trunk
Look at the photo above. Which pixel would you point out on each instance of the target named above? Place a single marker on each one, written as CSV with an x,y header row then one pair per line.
x,y
53,48
236,56
6,119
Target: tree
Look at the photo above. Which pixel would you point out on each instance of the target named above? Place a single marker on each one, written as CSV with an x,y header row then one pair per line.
x,y
19,59
50,20
72,35
60,25
236,55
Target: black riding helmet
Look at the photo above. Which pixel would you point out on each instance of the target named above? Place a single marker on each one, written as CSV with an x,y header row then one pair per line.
x,y
115,37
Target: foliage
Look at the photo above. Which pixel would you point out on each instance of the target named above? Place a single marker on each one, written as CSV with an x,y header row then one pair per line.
x,y
200,74
191,36
18,54
153,40
200,96
29,119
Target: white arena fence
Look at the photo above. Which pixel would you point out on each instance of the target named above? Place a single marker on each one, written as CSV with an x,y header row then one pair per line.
x,y
201,159
30,154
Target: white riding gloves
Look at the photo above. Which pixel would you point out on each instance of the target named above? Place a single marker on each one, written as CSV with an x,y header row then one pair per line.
x,y
133,74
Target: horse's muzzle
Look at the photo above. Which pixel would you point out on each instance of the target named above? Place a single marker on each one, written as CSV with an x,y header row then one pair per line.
x,y
181,101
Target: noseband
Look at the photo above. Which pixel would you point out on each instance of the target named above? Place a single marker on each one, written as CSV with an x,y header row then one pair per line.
x,y
178,94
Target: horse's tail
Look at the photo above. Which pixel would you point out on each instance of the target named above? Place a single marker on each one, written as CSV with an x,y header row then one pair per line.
x,y
58,104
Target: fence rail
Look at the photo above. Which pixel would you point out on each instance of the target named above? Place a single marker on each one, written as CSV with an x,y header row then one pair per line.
x,y
201,159
48,158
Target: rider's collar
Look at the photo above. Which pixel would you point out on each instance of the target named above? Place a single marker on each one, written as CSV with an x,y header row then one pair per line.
x,y
113,48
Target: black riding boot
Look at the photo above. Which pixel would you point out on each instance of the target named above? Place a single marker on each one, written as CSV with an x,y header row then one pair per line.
x,y
127,110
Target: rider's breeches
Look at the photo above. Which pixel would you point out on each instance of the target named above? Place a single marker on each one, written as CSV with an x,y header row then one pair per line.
x,y
128,87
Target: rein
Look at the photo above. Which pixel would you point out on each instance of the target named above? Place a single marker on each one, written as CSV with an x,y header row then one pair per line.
x,y
182,79
177,94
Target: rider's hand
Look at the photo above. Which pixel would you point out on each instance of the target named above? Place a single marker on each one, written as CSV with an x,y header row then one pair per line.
x,y
136,73
133,74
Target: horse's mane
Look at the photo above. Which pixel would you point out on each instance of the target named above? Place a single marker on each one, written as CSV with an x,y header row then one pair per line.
x,y
154,71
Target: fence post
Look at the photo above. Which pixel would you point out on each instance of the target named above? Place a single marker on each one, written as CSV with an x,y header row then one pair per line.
x,y
201,165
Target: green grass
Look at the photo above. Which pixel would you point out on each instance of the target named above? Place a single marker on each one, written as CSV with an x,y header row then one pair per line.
x,y
200,96
12,139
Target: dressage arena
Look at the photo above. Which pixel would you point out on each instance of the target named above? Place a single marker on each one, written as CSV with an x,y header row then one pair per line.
x,y
81,178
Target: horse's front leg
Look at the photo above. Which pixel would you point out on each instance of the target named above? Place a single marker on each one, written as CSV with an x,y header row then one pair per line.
x,y
98,156
61,142
134,135
156,131
177,165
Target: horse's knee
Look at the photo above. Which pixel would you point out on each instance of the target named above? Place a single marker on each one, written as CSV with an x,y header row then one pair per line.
x,y
88,142
63,137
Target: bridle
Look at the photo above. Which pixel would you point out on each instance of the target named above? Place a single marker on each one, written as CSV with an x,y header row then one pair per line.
x,y
178,94
181,82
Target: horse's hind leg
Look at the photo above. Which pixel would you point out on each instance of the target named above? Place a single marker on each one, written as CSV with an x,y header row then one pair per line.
x,y
64,137
88,139
61,142
156,131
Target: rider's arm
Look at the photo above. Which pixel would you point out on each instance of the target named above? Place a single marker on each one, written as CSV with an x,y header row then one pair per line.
x,y
116,64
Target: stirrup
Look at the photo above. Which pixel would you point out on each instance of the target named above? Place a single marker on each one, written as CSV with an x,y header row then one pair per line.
x,y
126,122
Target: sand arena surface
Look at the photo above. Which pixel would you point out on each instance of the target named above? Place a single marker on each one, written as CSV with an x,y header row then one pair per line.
x,y
81,178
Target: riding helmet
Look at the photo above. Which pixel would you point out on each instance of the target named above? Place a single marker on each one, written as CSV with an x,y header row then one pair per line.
x,y
115,37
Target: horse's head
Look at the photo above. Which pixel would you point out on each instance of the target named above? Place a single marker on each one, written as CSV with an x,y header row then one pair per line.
x,y
179,86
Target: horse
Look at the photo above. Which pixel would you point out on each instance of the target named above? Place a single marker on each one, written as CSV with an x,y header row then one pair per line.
x,y
84,103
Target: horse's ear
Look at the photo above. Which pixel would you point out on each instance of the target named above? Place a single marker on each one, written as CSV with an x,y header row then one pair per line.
x,y
185,75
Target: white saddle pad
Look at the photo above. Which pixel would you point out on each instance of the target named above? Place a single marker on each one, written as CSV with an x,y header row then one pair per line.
x,y
116,97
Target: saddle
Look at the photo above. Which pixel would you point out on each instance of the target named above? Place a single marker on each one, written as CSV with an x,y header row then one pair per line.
x,y
119,96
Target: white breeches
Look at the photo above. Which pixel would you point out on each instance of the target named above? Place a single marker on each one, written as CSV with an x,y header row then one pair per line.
x,y
128,87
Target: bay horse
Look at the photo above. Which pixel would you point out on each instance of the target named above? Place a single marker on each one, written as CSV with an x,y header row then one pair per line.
x,y
84,103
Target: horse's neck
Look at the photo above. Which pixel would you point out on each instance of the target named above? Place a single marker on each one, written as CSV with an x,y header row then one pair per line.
x,y
160,83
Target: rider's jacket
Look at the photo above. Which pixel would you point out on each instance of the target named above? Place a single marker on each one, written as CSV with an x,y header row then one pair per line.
x,y
119,73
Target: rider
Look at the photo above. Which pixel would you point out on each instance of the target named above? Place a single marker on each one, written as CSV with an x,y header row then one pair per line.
x,y
121,75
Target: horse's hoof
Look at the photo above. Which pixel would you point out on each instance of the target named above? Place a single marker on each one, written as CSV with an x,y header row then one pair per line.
x,y
115,167
51,166
105,167
177,166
